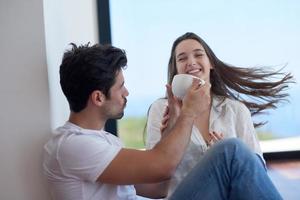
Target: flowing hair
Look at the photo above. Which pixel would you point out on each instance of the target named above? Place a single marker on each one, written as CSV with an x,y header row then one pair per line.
x,y
259,88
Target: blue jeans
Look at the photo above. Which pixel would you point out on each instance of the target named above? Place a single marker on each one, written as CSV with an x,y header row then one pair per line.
x,y
229,170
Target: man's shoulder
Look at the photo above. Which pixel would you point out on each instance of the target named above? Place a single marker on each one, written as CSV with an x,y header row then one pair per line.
x,y
73,137
76,145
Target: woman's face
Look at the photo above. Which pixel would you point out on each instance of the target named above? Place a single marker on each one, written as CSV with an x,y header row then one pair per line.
x,y
191,59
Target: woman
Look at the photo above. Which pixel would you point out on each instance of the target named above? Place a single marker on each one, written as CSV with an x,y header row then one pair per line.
x,y
236,94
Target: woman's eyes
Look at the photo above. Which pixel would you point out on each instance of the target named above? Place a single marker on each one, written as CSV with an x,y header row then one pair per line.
x,y
184,58
199,55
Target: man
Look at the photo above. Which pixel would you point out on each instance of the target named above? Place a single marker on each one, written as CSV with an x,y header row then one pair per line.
x,y
82,161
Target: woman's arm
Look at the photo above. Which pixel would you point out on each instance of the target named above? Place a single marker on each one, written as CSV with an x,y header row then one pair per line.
x,y
153,136
154,122
161,118
246,131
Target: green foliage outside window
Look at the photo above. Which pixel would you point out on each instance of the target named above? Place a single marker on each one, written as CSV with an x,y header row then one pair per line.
x,y
131,132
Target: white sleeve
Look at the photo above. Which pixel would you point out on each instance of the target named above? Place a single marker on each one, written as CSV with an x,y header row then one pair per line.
x,y
86,157
246,130
155,117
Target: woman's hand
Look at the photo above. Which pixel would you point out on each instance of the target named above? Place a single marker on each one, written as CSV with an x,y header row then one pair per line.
x,y
165,120
214,137
171,113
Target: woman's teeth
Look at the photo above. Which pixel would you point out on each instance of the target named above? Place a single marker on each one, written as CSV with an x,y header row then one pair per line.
x,y
194,71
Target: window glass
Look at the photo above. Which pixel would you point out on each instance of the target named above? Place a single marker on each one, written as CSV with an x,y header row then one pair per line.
x,y
242,33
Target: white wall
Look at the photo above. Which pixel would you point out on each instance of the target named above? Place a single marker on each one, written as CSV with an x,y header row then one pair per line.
x,y
26,117
66,21
24,100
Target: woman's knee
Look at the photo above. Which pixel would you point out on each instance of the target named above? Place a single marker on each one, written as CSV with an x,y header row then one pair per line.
x,y
230,143
233,146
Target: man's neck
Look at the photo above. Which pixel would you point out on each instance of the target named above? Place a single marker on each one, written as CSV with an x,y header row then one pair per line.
x,y
87,120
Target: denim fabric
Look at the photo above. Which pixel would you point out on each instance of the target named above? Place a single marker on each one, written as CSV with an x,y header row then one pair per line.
x,y
229,170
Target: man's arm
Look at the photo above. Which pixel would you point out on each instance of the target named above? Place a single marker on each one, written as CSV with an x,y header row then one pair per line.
x,y
158,164
153,190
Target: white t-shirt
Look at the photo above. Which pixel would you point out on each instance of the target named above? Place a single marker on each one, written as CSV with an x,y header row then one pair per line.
x,y
230,117
75,157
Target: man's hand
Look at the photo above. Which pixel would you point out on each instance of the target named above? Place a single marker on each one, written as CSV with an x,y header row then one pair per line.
x,y
197,99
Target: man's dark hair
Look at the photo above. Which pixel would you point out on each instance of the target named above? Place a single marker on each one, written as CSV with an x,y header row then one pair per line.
x,y
86,68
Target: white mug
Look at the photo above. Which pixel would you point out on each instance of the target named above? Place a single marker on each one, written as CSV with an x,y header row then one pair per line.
x,y
182,82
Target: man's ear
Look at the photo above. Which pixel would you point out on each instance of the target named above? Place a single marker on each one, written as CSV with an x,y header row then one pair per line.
x,y
97,97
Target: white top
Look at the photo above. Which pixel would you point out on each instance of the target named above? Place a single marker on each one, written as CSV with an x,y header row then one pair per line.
x,y
230,117
75,157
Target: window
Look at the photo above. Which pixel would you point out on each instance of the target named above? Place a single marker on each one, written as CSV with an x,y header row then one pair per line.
x,y
242,33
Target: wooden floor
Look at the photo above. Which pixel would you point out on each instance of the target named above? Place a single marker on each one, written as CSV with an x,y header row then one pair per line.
x,y
286,177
